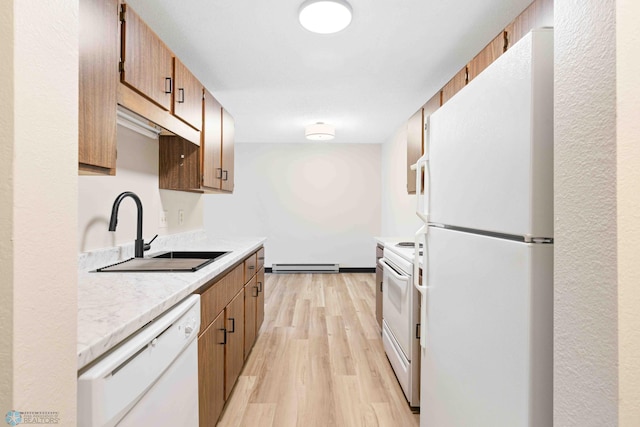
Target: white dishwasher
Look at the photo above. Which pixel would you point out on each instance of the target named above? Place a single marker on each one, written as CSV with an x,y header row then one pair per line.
x,y
149,380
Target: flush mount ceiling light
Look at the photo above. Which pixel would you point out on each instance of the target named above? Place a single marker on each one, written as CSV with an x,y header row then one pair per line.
x,y
320,132
325,16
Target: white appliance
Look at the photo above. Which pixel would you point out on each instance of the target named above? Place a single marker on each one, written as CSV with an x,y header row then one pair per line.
x,y
400,318
149,380
487,287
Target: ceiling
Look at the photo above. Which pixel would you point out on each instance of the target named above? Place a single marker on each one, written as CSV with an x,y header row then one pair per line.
x,y
275,77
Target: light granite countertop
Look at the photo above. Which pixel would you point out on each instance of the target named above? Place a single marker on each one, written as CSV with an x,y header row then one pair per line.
x,y
112,306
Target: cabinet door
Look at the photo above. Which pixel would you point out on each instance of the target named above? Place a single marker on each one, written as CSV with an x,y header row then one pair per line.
x,y
98,78
490,53
260,300
179,164
250,303
454,86
234,351
250,266
211,372
147,62
187,103
379,275
211,145
228,136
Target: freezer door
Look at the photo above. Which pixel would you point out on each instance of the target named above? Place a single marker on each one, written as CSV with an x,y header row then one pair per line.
x,y
489,319
491,146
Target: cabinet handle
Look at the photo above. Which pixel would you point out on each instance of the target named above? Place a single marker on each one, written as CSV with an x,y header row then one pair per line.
x,y
170,81
417,331
256,295
219,177
259,286
224,340
226,175
233,325
251,267
181,95
380,286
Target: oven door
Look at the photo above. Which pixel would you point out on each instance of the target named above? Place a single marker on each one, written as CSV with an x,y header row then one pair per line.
x,y
397,304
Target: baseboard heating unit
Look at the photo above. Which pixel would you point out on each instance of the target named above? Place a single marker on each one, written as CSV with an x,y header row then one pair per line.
x,y
305,268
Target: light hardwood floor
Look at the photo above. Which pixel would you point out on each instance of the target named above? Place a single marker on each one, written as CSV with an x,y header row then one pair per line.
x,y
319,359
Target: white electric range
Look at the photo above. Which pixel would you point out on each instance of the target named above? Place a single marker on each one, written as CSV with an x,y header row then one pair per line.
x,y
401,317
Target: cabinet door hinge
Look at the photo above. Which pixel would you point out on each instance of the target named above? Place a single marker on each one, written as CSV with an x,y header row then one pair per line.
x,y
122,13
121,66
466,75
505,34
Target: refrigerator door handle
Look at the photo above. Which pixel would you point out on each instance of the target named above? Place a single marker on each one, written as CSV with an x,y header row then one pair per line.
x,y
422,206
421,285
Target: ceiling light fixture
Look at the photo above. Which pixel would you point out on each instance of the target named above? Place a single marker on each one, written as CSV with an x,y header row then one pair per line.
x,y
320,132
325,16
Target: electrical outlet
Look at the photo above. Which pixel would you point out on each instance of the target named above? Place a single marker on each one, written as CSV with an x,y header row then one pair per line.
x,y
163,219
180,217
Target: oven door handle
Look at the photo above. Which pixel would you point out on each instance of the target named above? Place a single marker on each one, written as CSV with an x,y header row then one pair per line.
x,y
394,272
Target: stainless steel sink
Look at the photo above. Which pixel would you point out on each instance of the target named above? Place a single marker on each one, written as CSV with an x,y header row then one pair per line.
x,y
191,254
173,261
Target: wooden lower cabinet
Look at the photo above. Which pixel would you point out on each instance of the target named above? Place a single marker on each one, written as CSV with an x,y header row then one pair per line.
x,y
250,305
228,317
260,302
234,350
379,276
211,350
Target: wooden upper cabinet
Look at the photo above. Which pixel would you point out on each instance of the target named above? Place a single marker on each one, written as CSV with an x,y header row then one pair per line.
x,y
539,14
211,143
490,53
187,103
228,136
98,81
147,65
179,164
454,85
415,138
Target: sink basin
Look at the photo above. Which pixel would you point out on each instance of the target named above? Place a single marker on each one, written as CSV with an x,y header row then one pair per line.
x,y
191,254
174,261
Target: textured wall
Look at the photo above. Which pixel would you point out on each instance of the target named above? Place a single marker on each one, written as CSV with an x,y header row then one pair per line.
x,y
45,207
315,202
399,217
137,171
585,337
6,207
628,94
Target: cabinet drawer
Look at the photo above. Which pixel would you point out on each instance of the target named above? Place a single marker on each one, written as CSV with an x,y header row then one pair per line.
x,y
260,259
250,267
215,298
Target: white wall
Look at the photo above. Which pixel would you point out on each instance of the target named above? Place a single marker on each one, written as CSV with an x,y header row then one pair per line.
x,y
315,203
586,292
628,180
399,217
40,132
137,171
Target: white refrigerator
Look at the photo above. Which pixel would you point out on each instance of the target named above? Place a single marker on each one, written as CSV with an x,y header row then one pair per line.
x,y
487,291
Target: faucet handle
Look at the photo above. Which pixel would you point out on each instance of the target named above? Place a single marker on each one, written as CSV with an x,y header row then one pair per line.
x,y
147,245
